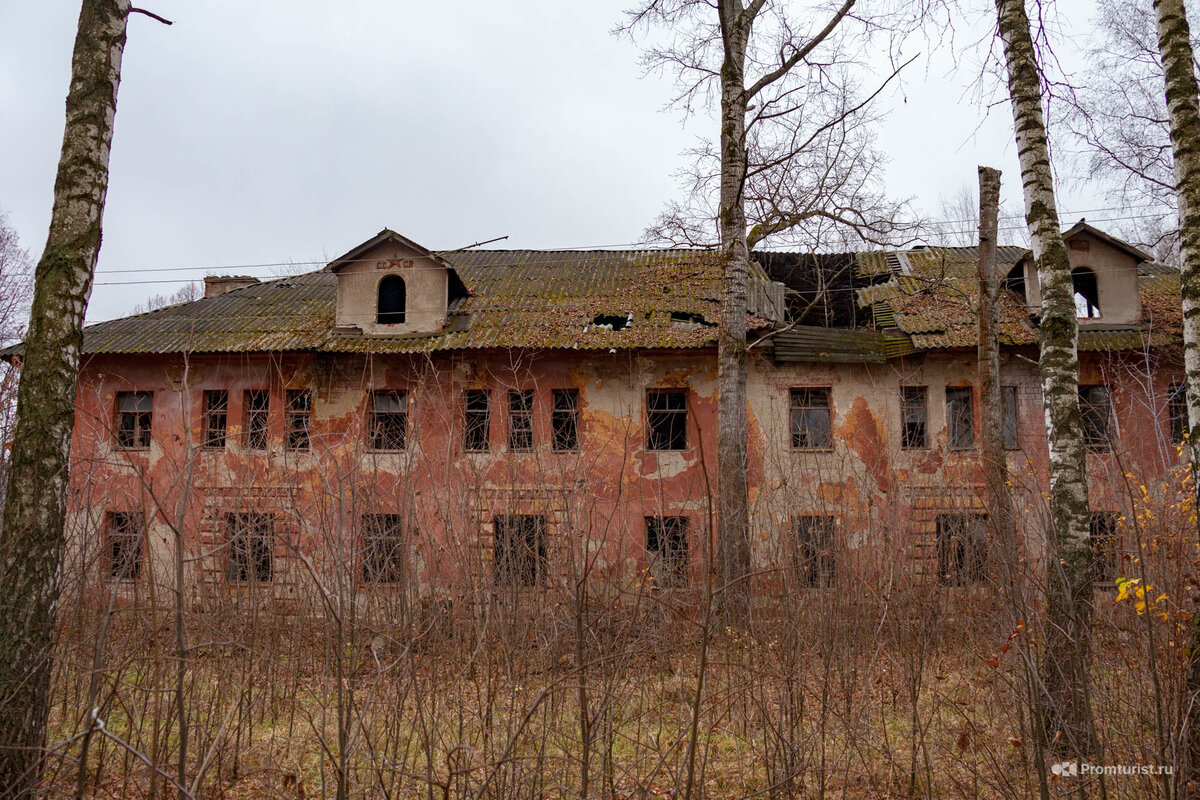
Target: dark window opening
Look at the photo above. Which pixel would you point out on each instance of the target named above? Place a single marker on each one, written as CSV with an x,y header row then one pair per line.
x,y
1087,293
135,410
813,554
961,548
1011,409
666,419
1015,281
615,322
392,298
1096,409
251,547
519,549
960,418
299,410
811,419
667,550
383,558
564,419
520,419
388,420
1106,554
914,417
1177,414
256,410
123,545
478,421
216,418
687,320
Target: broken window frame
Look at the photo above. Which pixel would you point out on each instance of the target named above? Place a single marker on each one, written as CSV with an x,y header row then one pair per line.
x,y
960,418
564,420
666,420
250,537
216,419
914,417
811,417
124,545
256,410
299,419
1011,428
1095,410
477,421
814,550
519,550
135,420
667,551
1106,546
387,427
962,548
1177,414
1085,289
520,420
383,555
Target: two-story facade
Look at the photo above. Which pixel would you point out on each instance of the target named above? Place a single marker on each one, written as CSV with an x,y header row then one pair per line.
x,y
434,420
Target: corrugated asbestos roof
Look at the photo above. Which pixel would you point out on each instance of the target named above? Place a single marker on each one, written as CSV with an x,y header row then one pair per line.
x,y
935,300
920,299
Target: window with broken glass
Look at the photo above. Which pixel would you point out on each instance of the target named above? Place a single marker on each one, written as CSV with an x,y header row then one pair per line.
x,y
961,548
667,550
813,551
564,419
251,542
123,544
383,558
666,419
960,418
914,414
387,422
519,549
255,411
811,419
135,411
520,419
299,412
216,418
477,419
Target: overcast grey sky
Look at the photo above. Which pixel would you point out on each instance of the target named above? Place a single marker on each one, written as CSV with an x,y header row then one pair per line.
x,y
274,131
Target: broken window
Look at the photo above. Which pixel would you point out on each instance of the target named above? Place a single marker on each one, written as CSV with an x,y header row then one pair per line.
x,y
216,418
914,417
1087,293
256,406
519,549
388,420
564,419
251,547
478,421
1010,417
961,548
666,419
392,298
382,548
1106,555
299,409
135,410
667,550
520,419
1177,413
123,544
960,418
1096,409
813,553
811,423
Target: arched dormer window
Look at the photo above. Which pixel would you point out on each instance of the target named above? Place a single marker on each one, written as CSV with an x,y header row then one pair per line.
x,y
1087,293
390,310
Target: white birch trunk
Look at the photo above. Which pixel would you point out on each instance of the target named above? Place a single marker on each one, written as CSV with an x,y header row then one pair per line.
x,y
1068,720
31,543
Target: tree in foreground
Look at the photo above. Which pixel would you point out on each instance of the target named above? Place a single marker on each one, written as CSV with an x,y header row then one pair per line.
x,y
1183,109
31,542
795,162
1067,719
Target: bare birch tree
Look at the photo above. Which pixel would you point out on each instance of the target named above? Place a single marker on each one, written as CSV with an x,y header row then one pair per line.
x,y
1068,723
1183,108
34,510
795,160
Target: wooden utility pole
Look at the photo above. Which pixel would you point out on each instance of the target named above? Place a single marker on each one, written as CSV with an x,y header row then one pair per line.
x,y
1001,525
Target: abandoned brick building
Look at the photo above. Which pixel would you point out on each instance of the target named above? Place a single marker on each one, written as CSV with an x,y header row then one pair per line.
x,y
504,417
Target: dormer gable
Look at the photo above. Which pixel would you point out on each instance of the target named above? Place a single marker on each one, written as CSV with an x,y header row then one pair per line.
x,y
1104,270
389,285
